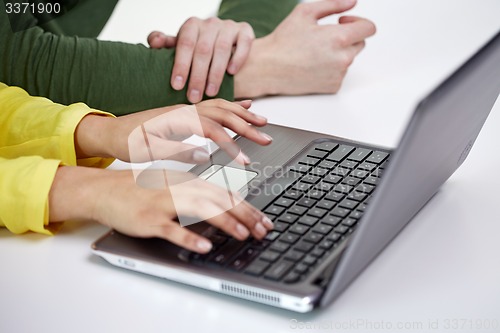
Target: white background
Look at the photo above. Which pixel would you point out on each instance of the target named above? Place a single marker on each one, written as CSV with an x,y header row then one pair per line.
x,y
443,266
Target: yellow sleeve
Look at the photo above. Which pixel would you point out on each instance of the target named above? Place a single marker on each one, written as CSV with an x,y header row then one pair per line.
x,y
36,126
25,183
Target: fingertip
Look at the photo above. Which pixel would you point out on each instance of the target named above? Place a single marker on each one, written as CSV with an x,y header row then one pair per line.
x,y
232,68
203,245
177,82
211,90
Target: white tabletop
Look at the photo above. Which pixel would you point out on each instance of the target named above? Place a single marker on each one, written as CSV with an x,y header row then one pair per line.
x,y
441,274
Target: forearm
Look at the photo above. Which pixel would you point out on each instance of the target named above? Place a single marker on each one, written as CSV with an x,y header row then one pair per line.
x,y
116,77
75,192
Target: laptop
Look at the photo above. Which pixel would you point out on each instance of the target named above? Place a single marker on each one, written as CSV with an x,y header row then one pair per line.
x,y
339,202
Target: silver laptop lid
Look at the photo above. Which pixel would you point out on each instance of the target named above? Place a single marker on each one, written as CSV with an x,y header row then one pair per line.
x,y
437,140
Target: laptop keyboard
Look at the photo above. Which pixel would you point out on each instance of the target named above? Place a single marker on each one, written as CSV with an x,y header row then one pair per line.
x,y
312,216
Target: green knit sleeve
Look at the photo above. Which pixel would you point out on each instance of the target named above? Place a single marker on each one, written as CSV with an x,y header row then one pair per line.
x,y
116,77
263,15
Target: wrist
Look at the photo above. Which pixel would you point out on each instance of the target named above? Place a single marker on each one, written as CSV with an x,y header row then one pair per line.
x,y
74,193
92,137
257,77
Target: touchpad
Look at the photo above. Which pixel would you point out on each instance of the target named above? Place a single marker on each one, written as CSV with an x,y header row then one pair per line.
x,y
230,178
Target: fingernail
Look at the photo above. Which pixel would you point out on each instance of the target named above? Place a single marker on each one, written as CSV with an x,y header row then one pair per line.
x,y
211,91
267,221
245,158
242,231
266,136
232,69
178,81
194,96
204,245
260,229
200,155
260,117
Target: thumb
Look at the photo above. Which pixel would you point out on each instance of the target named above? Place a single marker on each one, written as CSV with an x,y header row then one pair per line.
x,y
319,9
158,40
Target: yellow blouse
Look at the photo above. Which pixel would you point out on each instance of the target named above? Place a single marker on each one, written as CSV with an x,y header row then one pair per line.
x,y
36,136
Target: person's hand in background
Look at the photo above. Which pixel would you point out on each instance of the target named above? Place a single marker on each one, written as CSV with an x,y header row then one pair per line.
x,y
204,52
303,57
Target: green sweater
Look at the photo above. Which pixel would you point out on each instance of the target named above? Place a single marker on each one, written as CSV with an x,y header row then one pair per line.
x,y
62,60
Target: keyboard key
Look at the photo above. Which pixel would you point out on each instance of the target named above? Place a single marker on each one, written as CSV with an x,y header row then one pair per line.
x,y
243,259
299,229
384,164
257,267
334,179
371,180
347,203
340,153
279,247
349,222
324,186
340,229
306,202
322,228
326,204
367,166
331,220
339,171
225,252
288,218
319,154
292,277
292,194
309,260
260,244
302,187
356,215
377,157
315,194
297,210
269,256
274,210
303,246
351,181
327,244
284,202
327,164
340,212
307,160
301,268
349,164
313,237
365,188
278,270
280,226
359,154
361,207
289,238
334,237
272,235
358,173
334,196
294,255
327,146
342,188
308,220
300,168
319,171
318,252
317,212
357,196
310,179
